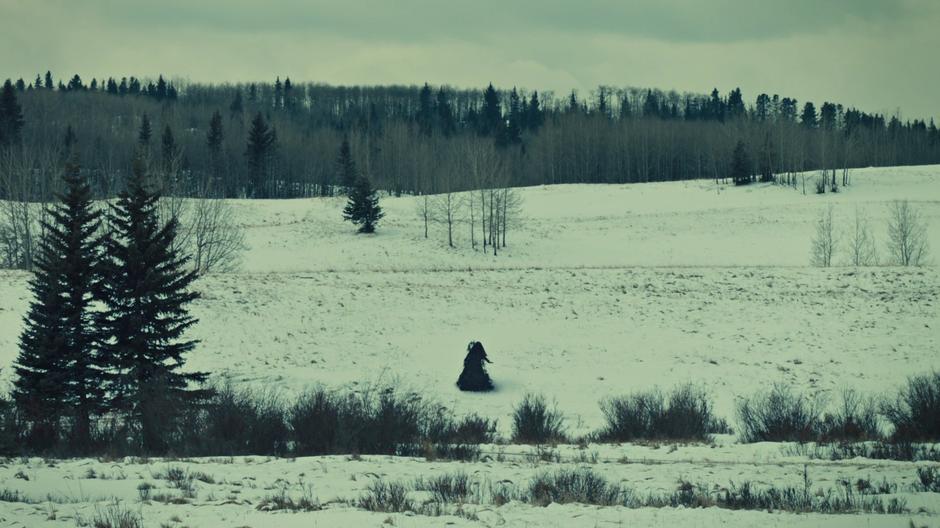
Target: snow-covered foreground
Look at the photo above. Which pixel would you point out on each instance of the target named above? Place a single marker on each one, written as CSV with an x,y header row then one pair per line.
x,y
603,290
239,491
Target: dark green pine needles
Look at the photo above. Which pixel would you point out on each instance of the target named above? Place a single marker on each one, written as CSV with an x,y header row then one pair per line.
x,y
60,373
146,292
362,208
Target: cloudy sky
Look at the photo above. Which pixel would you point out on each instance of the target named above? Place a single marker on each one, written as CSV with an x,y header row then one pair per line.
x,y
880,55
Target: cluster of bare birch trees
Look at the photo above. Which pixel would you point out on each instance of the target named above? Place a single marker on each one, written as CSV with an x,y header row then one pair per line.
x,y
486,212
905,242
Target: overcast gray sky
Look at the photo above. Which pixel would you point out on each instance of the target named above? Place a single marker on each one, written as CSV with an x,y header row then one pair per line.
x,y
880,55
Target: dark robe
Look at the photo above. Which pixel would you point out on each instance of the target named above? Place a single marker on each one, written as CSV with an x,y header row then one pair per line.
x,y
474,376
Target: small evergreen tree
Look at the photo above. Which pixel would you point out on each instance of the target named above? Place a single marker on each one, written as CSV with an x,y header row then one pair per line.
x,y
363,209
741,165
59,371
146,295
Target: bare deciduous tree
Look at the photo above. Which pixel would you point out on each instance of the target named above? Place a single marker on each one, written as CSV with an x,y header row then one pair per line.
x,y
863,251
446,210
217,238
208,231
424,211
824,242
25,191
907,234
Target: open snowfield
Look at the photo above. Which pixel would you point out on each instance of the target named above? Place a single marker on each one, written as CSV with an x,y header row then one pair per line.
x,y
603,290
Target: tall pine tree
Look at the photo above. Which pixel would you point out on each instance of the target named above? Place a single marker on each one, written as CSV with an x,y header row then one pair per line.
x,y
146,295
11,116
145,132
214,137
259,151
60,372
362,208
741,165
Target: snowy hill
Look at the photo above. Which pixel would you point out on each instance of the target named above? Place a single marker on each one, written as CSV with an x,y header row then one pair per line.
x,y
602,290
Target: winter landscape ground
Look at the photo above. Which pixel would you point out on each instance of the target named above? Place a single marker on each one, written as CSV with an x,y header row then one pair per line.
x,y
602,290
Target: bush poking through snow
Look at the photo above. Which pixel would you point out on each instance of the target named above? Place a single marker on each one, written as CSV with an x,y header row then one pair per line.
x,y
116,515
778,415
388,497
929,480
686,414
566,485
915,412
243,422
284,501
585,486
534,423
854,420
451,488
471,429
314,420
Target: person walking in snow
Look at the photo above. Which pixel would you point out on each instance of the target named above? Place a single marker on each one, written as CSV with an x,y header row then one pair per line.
x,y
474,376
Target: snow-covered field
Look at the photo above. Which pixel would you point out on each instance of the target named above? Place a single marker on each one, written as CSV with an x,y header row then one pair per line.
x,y
602,290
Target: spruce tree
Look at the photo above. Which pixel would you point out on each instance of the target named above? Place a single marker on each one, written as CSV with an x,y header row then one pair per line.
x,y
75,84
278,94
48,81
346,167
741,165
260,148
11,116
145,133
445,114
491,115
160,91
808,117
168,150
362,208
146,296
514,127
68,141
425,115
288,94
60,372
236,108
214,137
535,119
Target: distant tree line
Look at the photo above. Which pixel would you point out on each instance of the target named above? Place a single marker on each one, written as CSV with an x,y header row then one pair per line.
x,y
279,140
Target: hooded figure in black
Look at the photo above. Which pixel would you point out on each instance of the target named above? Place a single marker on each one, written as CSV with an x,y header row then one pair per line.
x,y
474,376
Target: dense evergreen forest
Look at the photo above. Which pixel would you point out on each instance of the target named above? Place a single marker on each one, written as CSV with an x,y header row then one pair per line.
x,y
279,139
